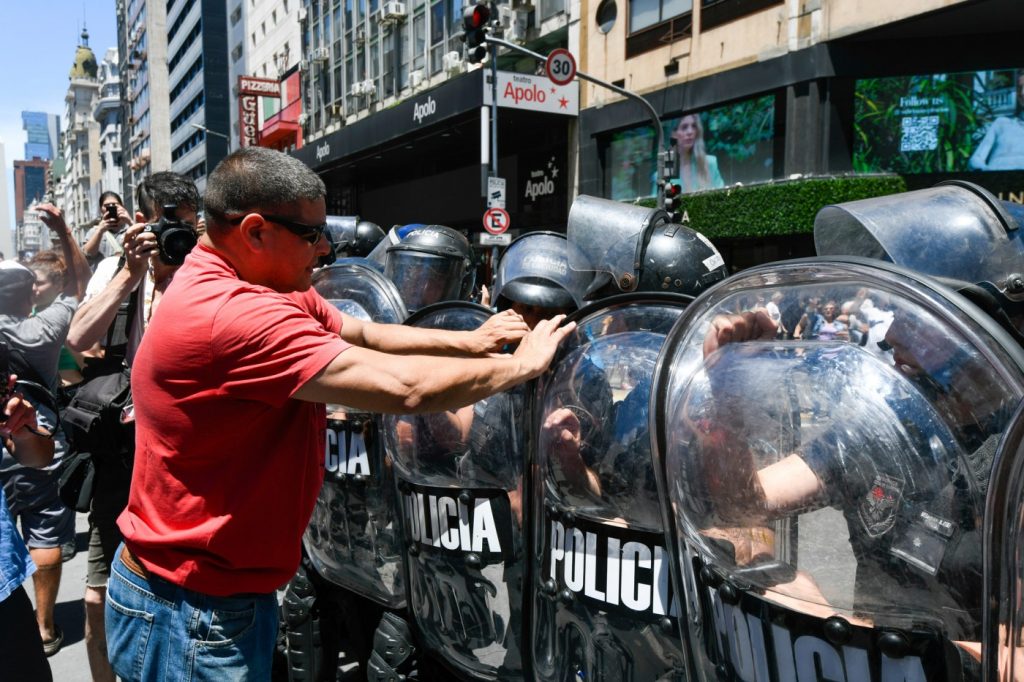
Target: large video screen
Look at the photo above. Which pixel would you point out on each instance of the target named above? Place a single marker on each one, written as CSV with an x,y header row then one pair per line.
x,y
714,148
940,123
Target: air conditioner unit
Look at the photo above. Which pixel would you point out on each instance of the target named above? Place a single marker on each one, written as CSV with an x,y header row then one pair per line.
x,y
393,10
303,65
360,36
302,14
303,119
357,89
335,110
369,88
416,79
519,25
452,62
321,54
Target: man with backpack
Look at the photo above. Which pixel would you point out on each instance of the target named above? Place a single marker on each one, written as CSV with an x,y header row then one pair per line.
x,y
119,302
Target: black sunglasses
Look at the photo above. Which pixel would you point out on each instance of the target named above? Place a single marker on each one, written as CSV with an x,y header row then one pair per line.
x,y
311,233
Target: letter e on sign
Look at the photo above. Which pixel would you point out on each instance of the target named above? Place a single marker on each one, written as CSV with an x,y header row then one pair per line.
x,y
561,66
496,220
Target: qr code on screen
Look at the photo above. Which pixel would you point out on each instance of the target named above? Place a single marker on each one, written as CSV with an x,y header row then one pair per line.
x,y
920,133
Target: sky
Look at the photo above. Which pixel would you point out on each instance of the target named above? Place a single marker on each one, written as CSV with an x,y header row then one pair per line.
x,y
38,39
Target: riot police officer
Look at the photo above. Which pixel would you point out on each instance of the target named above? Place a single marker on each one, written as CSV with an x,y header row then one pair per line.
x,y
898,463
601,600
352,237
431,263
534,279
467,598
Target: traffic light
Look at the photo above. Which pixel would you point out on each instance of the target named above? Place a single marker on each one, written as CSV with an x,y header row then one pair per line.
x,y
474,24
672,199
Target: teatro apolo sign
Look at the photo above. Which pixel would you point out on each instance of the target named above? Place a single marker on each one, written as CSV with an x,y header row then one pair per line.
x,y
249,91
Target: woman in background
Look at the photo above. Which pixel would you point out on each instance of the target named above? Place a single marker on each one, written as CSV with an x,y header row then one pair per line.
x,y
697,169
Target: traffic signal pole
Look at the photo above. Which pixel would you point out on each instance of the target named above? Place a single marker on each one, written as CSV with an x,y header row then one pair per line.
x,y
664,155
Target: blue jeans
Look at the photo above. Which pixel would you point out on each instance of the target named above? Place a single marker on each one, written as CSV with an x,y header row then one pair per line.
x,y
159,631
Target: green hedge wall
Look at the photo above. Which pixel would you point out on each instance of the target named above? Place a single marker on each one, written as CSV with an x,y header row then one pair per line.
x,y
778,207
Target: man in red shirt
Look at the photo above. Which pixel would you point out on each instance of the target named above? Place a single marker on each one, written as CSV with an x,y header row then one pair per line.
x,y
230,421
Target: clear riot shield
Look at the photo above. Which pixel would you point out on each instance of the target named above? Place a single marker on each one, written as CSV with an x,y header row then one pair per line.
x,y
460,482
1003,652
825,496
353,538
601,598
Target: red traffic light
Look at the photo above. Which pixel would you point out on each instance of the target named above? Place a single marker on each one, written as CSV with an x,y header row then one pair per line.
x,y
475,17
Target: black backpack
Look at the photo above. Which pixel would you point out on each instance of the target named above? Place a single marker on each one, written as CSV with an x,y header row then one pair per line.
x,y
98,420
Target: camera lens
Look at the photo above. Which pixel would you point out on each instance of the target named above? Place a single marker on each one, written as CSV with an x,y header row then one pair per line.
x,y
175,244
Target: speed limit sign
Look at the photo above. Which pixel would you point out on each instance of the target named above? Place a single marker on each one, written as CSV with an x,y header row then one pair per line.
x,y
561,66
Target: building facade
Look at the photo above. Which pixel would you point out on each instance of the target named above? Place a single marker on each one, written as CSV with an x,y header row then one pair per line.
x,y
395,119
107,113
82,169
265,44
42,131
142,52
31,180
199,101
786,87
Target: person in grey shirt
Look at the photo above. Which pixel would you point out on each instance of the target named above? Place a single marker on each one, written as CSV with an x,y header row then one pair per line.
x,y
35,342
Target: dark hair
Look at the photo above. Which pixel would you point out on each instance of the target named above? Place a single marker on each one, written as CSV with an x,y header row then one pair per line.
x,y
51,264
108,193
161,189
255,178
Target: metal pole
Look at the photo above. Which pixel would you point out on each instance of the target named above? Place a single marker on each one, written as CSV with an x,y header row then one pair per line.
x,y
494,144
662,153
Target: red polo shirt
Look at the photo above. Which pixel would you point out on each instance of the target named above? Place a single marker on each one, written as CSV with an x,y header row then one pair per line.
x,y
227,463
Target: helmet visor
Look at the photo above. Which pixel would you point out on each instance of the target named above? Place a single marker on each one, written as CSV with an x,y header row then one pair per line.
x,y
957,231
604,237
424,278
535,271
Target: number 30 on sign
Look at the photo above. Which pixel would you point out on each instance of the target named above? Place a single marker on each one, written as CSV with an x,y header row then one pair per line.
x,y
561,66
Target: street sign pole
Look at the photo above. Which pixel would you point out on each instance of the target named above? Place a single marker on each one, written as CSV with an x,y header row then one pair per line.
x,y
659,133
494,144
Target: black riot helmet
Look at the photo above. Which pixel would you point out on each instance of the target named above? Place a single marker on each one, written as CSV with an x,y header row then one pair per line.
x,y
352,237
432,263
535,271
380,252
632,248
955,231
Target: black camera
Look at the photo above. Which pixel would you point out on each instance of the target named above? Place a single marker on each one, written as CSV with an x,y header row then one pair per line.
x,y
111,211
174,237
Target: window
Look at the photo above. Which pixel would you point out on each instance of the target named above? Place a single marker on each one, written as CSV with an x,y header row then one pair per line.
x,y
273,17
717,12
551,7
236,14
607,12
236,53
263,28
254,38
286,6
646,13
655,23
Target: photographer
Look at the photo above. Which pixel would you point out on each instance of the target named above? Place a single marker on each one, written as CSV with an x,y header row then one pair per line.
x,y
21,647
108,302
113,218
